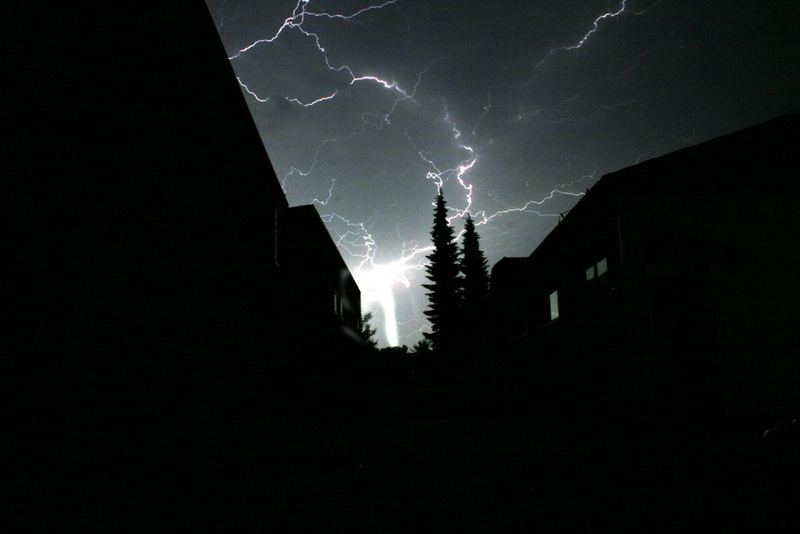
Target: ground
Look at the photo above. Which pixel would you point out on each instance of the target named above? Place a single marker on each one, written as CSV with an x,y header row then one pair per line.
x,y
233,472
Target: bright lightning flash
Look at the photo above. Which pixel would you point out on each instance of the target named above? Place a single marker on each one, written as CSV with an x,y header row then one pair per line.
x,y
378,281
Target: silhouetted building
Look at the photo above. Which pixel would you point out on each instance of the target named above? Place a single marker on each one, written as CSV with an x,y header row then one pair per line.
x,y
673,284
319,288
143,207
508,317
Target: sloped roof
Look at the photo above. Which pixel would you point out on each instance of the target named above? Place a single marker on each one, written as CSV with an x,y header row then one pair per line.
x,y
304,240
759,160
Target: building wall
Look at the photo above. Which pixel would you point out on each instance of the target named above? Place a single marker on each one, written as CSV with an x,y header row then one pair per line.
x,y
697,312
712,292
319,290
586,238
510,302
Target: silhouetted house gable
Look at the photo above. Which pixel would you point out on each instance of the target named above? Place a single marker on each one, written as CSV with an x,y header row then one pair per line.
x,y
677,277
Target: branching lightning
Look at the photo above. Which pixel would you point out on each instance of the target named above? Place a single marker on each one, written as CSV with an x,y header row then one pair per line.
x,y
295,22
251,93
586,37
482,218
328,198
314,102
352,16
378,279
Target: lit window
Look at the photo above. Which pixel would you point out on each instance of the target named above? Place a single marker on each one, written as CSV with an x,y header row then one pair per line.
x,y
554,305
590,273
602,267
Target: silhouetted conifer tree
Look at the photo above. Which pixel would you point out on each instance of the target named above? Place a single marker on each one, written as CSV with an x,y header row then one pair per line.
x,y
367,332
475,287
444,291
422,346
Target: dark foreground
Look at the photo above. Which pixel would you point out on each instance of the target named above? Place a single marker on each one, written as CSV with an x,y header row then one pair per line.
x,y
232,457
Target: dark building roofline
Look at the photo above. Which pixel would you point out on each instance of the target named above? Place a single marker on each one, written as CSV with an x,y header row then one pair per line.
x,y
663,175
773,133
307,216
508,263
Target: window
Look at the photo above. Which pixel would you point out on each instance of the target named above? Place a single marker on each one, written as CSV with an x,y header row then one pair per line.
x,y
337,303
598,269
602,267
554,305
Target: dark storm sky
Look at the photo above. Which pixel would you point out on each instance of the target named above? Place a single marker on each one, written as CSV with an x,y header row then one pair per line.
x,y
529,102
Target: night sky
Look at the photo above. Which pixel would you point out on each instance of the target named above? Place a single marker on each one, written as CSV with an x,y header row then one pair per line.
x,y
365,107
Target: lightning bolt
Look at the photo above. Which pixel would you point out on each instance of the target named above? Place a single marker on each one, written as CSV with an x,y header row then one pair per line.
x,y
295,22
375,279
314,102
483,218
385,119
648,8
328,199
221,23
352,16
289,22
253,94
410,96
586,37
595,27
378,279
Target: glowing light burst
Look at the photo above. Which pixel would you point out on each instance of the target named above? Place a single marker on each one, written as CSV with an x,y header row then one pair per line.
x,y
380,279
377,282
